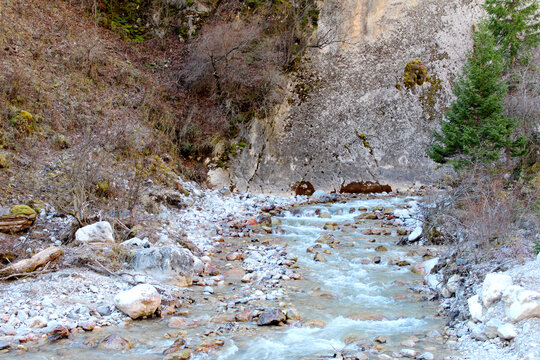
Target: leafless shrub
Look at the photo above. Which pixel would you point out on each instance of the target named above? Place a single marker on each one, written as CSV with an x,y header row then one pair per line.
x,y
486,215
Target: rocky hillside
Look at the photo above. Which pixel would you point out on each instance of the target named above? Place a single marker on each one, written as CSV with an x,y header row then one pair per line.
x,y
364,102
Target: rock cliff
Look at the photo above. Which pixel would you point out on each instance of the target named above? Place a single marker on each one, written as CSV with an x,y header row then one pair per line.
x,y
363,104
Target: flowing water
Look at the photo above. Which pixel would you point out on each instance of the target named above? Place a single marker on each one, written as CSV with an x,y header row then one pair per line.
x,y
349,299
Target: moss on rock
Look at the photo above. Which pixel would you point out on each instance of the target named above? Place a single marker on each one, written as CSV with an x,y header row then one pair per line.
x,y
22,210
415,74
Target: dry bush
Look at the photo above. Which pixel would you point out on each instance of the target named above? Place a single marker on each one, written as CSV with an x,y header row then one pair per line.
x,y
486,215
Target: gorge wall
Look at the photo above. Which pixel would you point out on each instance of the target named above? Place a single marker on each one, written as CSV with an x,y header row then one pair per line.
x,y
353,113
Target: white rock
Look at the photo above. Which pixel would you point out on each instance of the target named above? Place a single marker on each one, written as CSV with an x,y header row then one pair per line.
x,y
415,235
493,287
507,331
141,300
453,283
410,353
37,322
426,356
425,267
491,328
198,266
434,281
97,233
475,308
136,242
320,196
526,305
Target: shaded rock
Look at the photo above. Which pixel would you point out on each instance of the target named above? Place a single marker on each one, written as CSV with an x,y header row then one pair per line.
x,y
271,317
115,342
303,188
169,264
403,263
100,233
364,187
377,260
141,300
59,332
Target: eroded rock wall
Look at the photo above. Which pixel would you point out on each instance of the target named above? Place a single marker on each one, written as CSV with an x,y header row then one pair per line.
x,y
350,114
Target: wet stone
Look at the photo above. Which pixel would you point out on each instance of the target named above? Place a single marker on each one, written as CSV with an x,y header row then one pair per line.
x,y
115,342
175,347
271,317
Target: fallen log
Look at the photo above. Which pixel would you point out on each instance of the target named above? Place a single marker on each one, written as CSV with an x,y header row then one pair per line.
x,y
28,265
13,224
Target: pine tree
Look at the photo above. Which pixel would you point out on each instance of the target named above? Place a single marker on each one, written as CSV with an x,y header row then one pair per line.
x,y
475,128
515,24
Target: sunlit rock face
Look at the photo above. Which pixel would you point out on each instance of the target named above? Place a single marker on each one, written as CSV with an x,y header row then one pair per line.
x,y
363,105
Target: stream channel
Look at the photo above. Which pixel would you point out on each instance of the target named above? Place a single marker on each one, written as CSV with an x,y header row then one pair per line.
x,y
345,302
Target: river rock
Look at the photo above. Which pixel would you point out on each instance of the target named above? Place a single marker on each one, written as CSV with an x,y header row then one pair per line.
x,y
475,308
425,356
169,264
271,317
320,196
246,315
425,267
524,304
381,248
416,234
208,345
115,342
175,347
507,331
179,355
100,233
141,300
178,322
493,287
319,257
408,353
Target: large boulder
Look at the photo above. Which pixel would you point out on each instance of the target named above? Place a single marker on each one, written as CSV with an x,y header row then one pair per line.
x,y
141,300
320,196
524,305
100,233
169,264
493,287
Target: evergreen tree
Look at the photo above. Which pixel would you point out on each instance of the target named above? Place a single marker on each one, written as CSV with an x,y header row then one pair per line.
x,y
515,24
475,128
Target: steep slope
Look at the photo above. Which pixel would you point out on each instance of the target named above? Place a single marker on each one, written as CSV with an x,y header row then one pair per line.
x,y
365,101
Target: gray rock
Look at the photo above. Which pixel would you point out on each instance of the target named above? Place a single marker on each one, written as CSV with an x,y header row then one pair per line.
x,y
320,196
99,233
271,317
425,356
169,264
104,310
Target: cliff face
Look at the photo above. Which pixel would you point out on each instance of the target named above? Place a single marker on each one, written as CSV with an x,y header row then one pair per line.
x,y
364,103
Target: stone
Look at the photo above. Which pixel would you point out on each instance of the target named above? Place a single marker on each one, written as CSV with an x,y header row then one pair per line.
x,y
271,317
179,355
425,356
381,248
37,322
104,310
293,314
493,287
379,340
4,345
58,332
234,256
115,342
475,308
100,233
320,196
453,283
136,243
178,322
415,234
246,315
175,347
506,331
425,267
319,257
408,353
20,218
170,264
377,260
525,305
208,345
403,263
491,328
141,300
478,332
